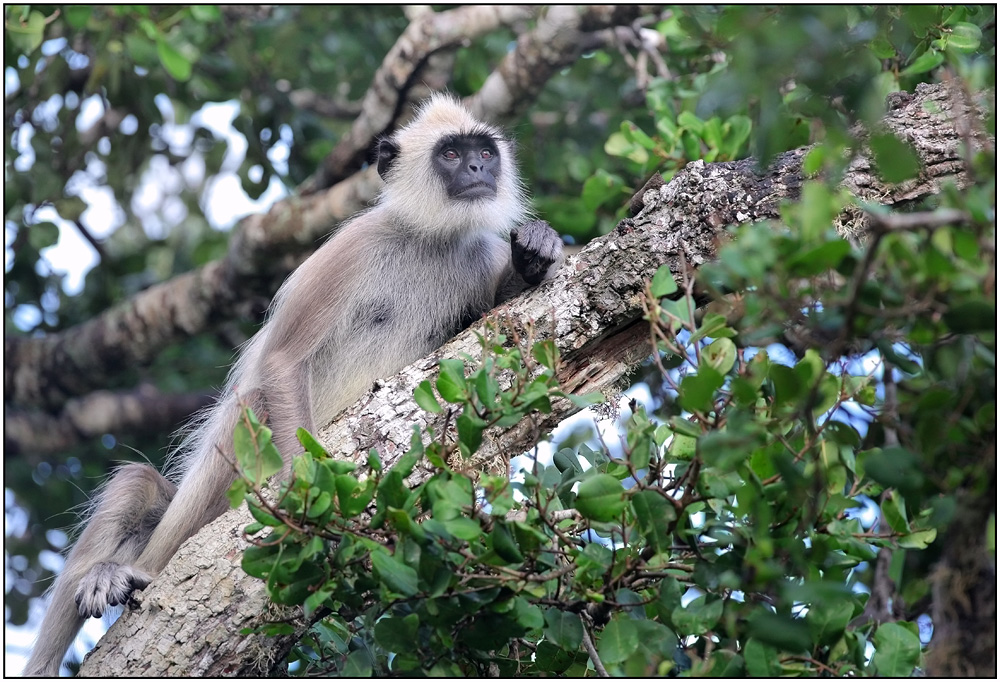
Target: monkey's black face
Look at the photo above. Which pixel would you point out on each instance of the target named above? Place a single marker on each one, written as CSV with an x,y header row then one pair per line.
x,y
469,165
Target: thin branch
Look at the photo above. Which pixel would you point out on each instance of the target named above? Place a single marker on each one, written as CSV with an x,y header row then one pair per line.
x,y
928,220
588,644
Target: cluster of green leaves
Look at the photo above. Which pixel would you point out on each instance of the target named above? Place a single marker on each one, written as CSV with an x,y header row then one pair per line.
x,y
436,576
919,303
772,70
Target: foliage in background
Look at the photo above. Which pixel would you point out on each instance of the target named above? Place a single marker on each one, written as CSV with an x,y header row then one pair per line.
x,y
738,532
94,101
728,539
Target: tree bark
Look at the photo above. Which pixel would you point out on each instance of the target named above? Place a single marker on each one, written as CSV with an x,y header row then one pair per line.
x,y
592,311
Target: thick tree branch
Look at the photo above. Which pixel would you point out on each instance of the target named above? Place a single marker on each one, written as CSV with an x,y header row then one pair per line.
x,y
592,311
383,103
46,371
559,39
35,434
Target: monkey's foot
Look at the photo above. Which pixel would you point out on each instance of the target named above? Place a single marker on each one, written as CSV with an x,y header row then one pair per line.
x,y
535,246
108,584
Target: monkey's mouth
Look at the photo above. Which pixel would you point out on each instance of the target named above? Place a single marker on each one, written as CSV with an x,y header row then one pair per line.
x,y
477,190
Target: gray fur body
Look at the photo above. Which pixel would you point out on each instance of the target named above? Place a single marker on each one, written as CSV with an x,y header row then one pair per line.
x,y
392,285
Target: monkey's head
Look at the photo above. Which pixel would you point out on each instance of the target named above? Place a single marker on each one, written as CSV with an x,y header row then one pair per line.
x,y
446,172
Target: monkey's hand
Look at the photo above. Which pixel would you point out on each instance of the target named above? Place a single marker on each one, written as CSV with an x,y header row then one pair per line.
x,y
535,247
108,584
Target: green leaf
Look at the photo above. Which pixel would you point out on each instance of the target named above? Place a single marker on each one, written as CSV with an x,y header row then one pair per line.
x,y
897,650
896,159
965,37
563,629
398,635
206,13
761,660
698,617
470,434
927,61
691,144
683,447
827,620
895,468
486,388
720,355
358,664
697,392
423,395
262,516
726,449
352,497
691,122
602,187
312,446
237,493
173,61
258,561
619,640
818,260
451,380
397,576
882,48
787,385
663,282
77,16
463,529
553,659
315,600
637,135
546,353
656,640
255,453
919,539
818,208
600,498
587,400
618,145
654,515
71,208
779,631
504,544
894,512
739,133
25,34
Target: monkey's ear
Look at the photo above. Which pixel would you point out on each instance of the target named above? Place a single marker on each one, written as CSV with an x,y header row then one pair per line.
x,y
387,153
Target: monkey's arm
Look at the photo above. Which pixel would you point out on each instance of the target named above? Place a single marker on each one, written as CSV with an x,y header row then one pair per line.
x,y
309,313
536,250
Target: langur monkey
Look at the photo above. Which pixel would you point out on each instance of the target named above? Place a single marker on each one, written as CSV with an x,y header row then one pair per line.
x,y
449,237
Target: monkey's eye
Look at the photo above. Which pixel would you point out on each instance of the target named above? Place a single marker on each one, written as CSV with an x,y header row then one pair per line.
x,y
450,154
486,154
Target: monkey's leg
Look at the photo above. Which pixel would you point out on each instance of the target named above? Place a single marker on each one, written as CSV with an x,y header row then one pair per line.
x,y
127,511
200,499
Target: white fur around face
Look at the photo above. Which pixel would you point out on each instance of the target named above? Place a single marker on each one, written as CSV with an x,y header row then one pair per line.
x,y
415,195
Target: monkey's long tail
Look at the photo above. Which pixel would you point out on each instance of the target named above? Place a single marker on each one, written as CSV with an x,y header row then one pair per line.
x,y
59,627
